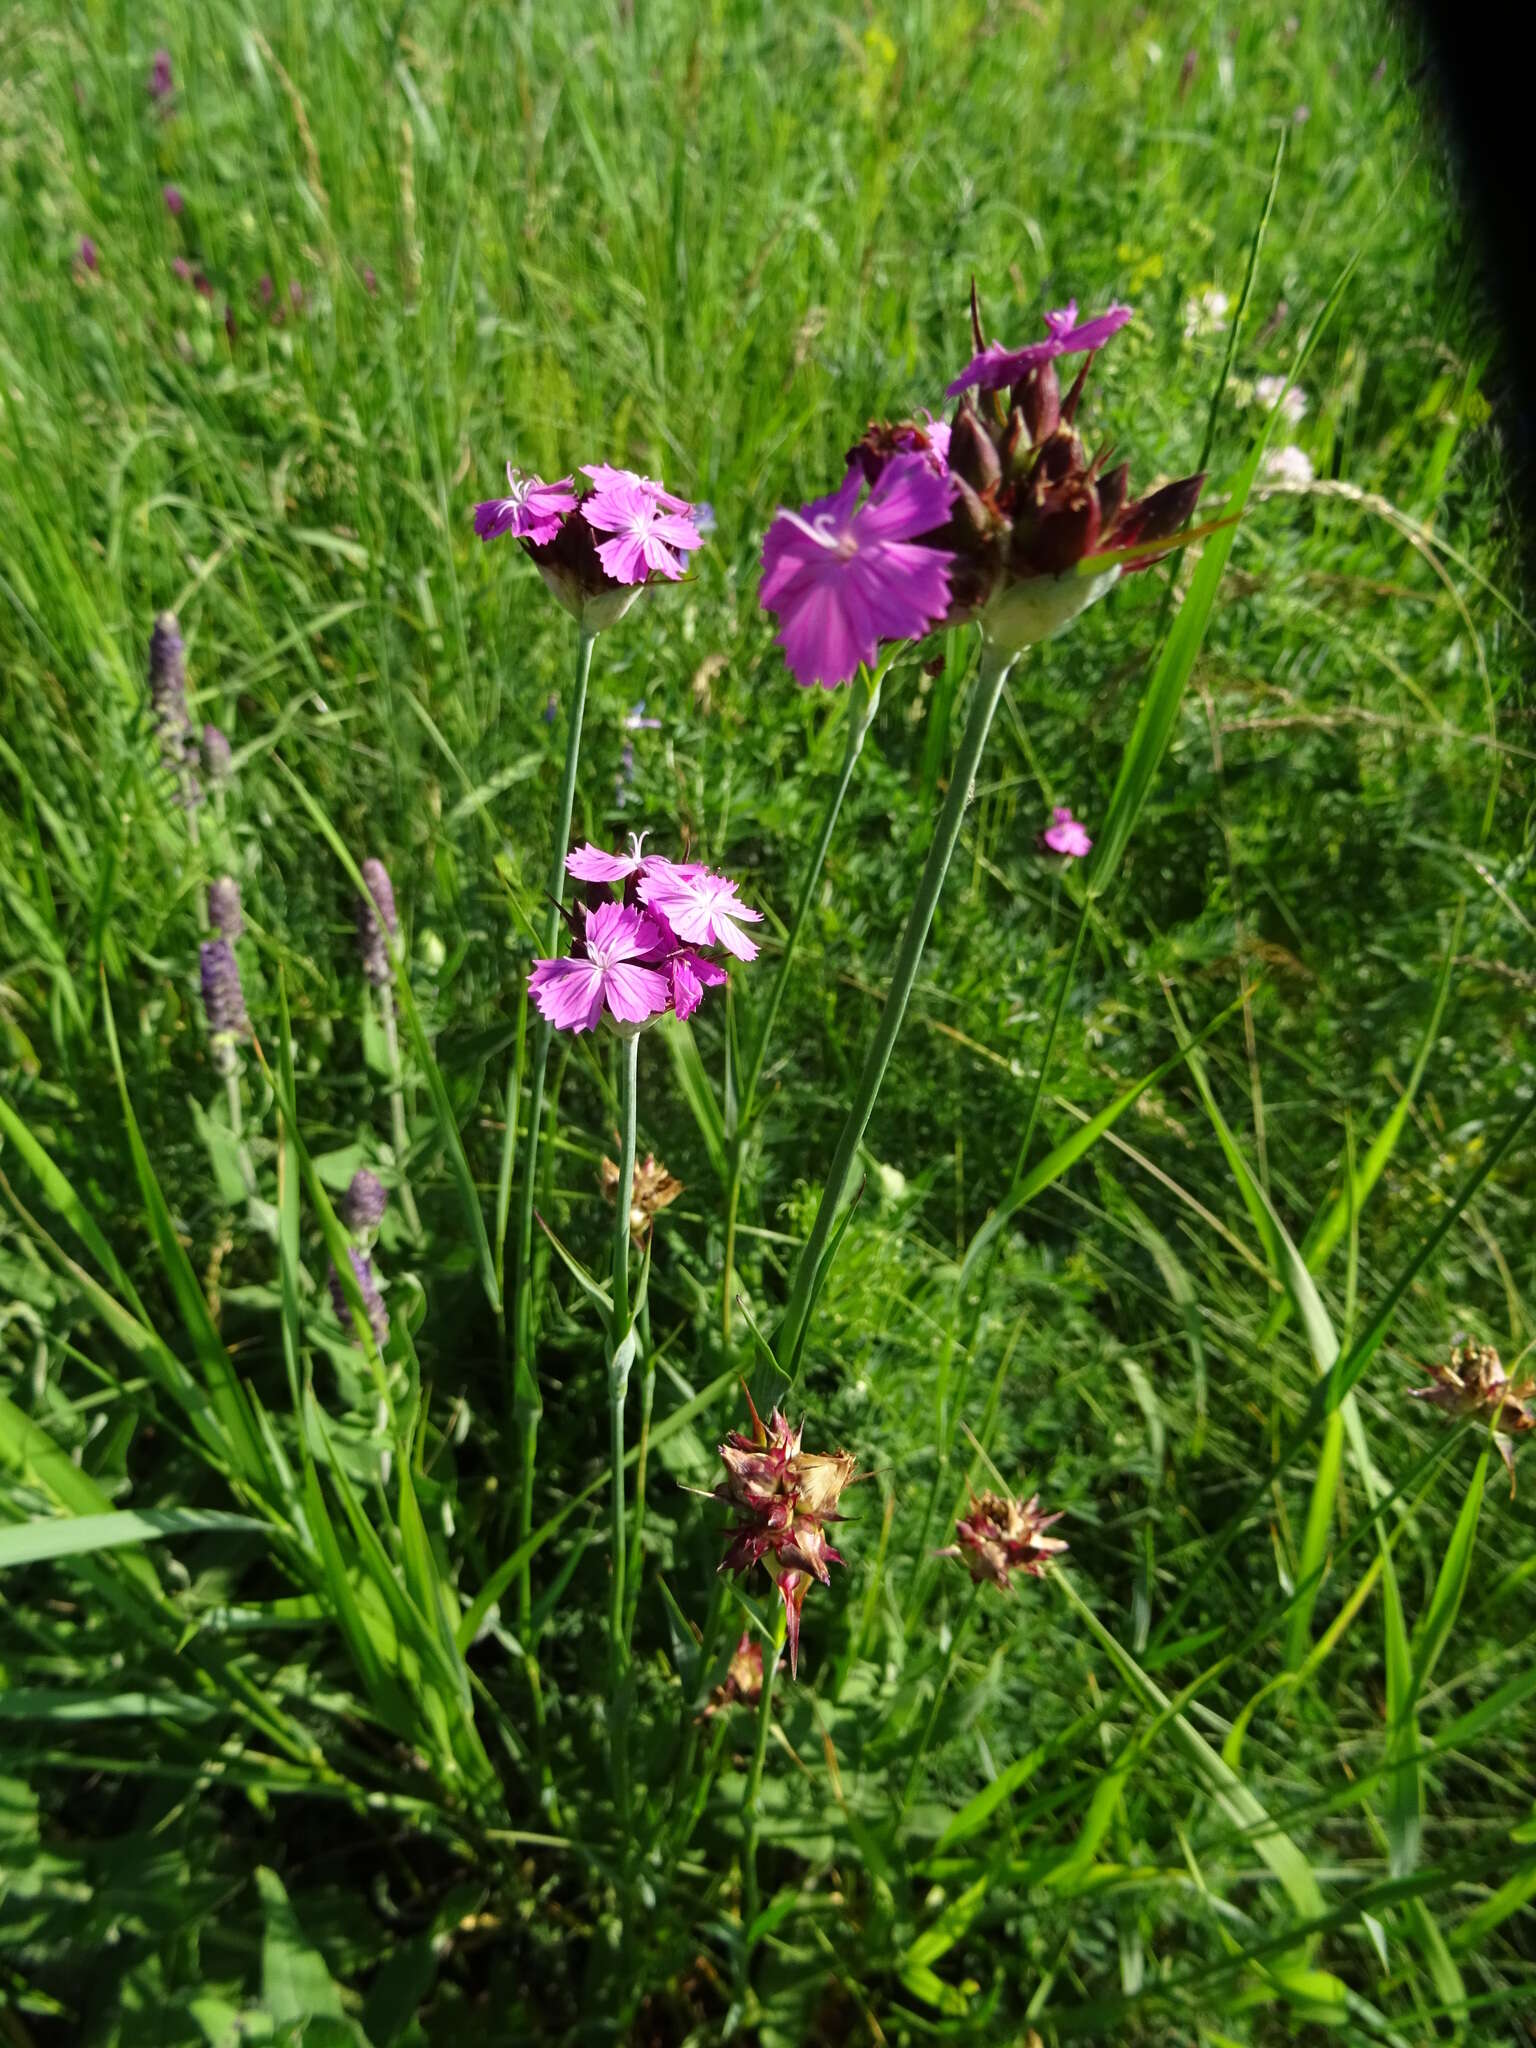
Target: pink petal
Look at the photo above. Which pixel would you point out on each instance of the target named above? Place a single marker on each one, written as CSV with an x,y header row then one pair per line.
x,y
590,864
911,498
734,941
687,989
569,993
634,993
624,559
824,625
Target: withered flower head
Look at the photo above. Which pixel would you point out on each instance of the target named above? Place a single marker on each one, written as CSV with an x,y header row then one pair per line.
x,y
1032,511
1475,1383
743,1678
652,1190
782,1497
1000,1536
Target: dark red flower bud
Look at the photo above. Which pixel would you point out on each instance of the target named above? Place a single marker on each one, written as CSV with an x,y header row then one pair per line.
x,y
1158,516
1066,529
1038,396
972,455
1112,488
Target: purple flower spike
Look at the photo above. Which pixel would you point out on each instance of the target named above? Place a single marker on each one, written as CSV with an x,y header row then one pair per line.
x,y
88,253
376,922
1065,836
635,719
224,910
700,907
160,80
840,577
171,194
997,367
532,509
648,539
223,1001
368,1287
364,1203
572,994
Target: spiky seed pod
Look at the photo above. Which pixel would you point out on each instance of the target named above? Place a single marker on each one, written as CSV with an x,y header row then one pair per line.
x,y
653,1190
743,1680
224,909
1474,1382
364,1203
368,1287
376,923
1001,1536
782,1497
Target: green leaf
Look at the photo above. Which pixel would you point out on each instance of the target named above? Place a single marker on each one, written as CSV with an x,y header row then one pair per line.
x,y
296,1985
77,1535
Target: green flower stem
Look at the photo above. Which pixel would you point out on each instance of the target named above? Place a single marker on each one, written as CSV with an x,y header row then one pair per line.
x,y
621,1344
863,703
1068,976
526,1403
986,693
755,1776
914,1770
400,1135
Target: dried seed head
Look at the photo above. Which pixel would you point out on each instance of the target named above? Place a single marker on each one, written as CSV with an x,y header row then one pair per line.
x,y
364,1203
743,1678
224,910
782,1497
376,922
1474,1382
1001,1536
653,1190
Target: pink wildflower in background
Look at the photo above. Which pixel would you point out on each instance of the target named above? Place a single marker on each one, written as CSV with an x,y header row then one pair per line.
x,y
160,80
1065,835
532,509
996,367
171,194
610,973
88,253
841,576
596,549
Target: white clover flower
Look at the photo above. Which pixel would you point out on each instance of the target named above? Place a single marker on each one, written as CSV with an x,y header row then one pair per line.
x,y
1290,468
1267,391
1205,312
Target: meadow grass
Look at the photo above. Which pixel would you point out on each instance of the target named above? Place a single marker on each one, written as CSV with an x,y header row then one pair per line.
x,y
324,1715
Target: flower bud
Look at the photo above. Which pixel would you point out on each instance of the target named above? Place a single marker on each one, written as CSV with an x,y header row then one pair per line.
x,y
1159,516
972,455
223,1001
1038,397
1001,1536
1064,530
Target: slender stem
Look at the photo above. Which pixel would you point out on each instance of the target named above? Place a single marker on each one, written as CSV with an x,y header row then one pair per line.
x,y
400,1134
987,689
237,1132
195,838
1068,975
621,1346
914,1770
755,1776
527,1405
863,703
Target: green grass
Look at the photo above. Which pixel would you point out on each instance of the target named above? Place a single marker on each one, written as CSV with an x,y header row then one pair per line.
x,y
300,1739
